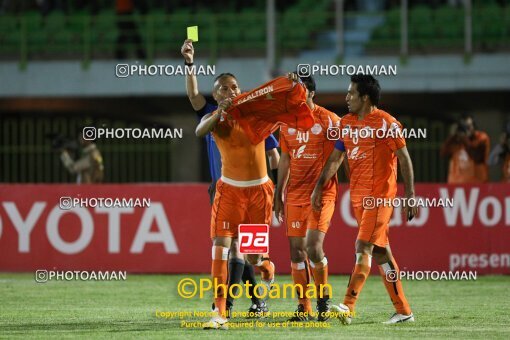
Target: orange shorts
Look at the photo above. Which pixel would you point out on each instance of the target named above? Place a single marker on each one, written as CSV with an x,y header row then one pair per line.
x,y
237,205
300,218
374,224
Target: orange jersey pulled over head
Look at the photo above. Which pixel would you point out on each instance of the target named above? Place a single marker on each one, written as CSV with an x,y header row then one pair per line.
x,y
260,111
309,150
240,159
372,162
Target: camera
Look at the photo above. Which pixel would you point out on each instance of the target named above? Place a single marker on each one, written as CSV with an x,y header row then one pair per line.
x,y
59,142
462,127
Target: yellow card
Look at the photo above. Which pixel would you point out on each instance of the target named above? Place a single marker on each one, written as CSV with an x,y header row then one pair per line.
x,y
193,33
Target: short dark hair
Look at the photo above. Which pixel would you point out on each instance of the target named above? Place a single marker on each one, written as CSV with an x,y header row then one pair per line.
x,y
465,116
367,85
308,81
226,74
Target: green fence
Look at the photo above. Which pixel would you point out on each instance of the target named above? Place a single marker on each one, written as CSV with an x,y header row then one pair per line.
x,y
444,28
429,166
26,155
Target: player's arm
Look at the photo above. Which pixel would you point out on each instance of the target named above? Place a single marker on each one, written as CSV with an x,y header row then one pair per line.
x,y
283,176
210,120
406,168
347,170
195,97
207,123
330,169
335,119
274,158
272,155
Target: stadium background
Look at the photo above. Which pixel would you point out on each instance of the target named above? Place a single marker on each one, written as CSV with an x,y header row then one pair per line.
x,y
57,74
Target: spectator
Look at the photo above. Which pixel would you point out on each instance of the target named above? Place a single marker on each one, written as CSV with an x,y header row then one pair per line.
x,y
89,167
128,31
468,150
500,155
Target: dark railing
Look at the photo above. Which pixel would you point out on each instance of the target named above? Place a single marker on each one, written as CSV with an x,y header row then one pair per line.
x,y
26,154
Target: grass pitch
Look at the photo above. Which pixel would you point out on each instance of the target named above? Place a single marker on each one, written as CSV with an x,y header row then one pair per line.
x,y
127,309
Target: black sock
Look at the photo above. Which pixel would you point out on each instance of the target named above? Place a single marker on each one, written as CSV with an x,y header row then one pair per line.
x,y
249,275
235,271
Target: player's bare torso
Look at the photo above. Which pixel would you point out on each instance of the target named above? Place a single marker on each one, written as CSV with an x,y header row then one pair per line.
x,y
241,160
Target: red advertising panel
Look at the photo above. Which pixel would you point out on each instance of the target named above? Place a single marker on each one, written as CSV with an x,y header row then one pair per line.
x,y
63,227
253,238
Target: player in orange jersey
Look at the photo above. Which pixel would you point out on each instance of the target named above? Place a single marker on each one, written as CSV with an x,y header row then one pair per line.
x,y
372,155
244,193
238,268
304,154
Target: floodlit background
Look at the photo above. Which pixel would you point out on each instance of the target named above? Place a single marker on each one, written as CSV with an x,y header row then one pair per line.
x,y
58,63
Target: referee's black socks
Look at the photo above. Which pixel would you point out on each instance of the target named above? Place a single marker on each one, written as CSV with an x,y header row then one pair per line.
x,y
249,275
235,272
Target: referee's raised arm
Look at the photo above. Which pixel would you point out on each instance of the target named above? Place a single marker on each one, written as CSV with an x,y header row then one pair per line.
x,y
196,98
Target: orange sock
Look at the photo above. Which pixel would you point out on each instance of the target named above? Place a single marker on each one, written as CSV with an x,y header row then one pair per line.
x,y
320,274
266,267
301,277
358,277
391,278
219,272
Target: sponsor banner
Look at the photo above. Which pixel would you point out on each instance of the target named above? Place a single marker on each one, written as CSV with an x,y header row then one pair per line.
x,y
172,233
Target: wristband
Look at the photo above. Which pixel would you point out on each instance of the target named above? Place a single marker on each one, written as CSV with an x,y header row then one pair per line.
x,y
188,64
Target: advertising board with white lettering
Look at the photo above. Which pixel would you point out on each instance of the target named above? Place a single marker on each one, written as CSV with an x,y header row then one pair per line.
x,y
468,228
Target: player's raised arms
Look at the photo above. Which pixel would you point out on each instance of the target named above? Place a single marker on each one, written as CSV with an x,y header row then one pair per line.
x,y
195,97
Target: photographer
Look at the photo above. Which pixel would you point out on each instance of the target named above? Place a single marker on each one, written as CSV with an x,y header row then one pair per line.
x,y
468,150
500,154
89,167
